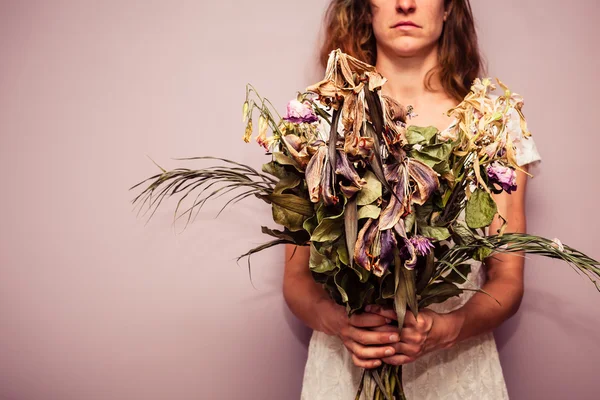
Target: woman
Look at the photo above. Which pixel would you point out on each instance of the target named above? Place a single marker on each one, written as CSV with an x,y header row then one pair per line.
x,y
427,50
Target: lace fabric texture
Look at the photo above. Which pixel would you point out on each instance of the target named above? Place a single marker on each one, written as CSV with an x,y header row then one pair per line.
x,y
470,370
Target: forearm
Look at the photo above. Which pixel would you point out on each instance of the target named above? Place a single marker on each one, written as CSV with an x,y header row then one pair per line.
x,y
305,298
482,313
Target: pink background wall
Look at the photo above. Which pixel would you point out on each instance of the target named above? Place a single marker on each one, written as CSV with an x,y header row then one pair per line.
x,y
95,305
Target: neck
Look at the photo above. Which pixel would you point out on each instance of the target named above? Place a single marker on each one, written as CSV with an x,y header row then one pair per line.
x,y
406,75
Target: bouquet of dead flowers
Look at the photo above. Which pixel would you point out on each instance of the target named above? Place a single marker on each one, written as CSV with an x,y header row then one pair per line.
x,y
392,212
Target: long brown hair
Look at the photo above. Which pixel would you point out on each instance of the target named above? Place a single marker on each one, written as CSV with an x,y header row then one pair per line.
x,y
348,27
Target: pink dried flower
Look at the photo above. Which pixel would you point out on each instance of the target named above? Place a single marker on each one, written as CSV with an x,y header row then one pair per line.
x,y
298,112
504,176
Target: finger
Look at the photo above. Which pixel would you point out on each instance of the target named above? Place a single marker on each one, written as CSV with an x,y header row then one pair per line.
x,y
367,320
369,364
411,336
407,335
386,328
366,337
422,323
369,352
410,350
398,359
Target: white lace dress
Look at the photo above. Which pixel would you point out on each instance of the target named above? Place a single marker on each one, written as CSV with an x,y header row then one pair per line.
x,y
470,370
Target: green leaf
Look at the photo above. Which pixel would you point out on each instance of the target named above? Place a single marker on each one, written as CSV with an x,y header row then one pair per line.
x,y
482,253
442,167
275,169
371,191
387,286
287,182
310,224
420,134
440,151
409,221
276,233
455,277
351,226
401,294
324,212
480,209
329,227
426,273
438,293
293,203
282,159
462,233
328,230
434,232
369,211
362,273
342,252
318,262
425,159
423,213
413,136
353,292
291,220
409,277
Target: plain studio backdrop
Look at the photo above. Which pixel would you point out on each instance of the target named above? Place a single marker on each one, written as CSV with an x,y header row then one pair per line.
x,y
95,304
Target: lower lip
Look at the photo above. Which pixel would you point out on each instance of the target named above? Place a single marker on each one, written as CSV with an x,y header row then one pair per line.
x,y
405,27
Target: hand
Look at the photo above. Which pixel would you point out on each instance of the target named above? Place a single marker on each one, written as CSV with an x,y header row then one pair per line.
x,y
367,346
429,332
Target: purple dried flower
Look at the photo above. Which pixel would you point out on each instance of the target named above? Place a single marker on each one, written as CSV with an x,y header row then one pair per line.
x,y
298,112
422,244
504,176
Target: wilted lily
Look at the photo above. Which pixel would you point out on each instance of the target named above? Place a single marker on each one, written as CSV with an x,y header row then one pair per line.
x,y
262,139
374,250
314,173
408,252
424,180
296,148
319,177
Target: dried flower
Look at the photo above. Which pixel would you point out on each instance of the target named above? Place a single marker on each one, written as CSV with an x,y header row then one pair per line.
x,y
422,244
557,244
245,111
298,112
262,139
504,176
248,132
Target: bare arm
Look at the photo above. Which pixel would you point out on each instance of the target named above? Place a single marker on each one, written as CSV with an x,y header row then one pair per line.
x,y
504,272
304,297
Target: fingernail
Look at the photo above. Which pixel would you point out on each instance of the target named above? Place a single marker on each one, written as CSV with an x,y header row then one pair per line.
x,y
394,338
389,352
388,320
377,363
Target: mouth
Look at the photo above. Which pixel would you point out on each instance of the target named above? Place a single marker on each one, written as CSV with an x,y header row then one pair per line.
x,y
405,24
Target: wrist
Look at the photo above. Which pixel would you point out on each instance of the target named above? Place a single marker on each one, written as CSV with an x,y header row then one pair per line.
x,y
449,327
329,316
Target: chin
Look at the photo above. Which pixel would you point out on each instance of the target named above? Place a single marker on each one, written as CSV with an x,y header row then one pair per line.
x,y
407,47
